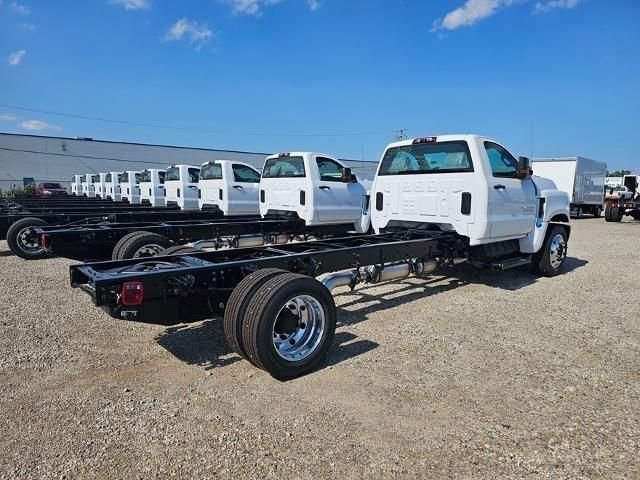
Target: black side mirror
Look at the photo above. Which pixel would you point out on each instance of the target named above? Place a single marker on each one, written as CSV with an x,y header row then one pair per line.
x,y
524,168
346,175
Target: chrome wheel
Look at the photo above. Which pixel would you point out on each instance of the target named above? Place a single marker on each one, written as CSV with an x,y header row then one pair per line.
x,y
150,250
557,251
298,328
28,241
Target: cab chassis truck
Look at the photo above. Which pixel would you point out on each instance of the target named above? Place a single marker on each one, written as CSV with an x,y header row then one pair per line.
x,y
327,200
439,201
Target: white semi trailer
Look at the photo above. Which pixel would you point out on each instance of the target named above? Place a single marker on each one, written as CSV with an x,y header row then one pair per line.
x,y
582,178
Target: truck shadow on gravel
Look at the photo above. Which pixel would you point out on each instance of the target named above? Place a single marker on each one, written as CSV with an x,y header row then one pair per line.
x,y
417,288
202,344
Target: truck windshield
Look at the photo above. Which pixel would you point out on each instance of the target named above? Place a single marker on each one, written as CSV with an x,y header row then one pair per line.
x,y
173,173
283,167
211,171
437,157
145,176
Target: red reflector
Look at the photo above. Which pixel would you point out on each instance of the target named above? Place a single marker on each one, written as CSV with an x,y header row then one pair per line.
x,y
286,154
132,293
425,140
43,241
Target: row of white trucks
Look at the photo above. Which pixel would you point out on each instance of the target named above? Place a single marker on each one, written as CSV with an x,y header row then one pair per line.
x,y
229,186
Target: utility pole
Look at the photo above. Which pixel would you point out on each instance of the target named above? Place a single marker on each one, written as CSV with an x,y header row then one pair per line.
x,y
401,134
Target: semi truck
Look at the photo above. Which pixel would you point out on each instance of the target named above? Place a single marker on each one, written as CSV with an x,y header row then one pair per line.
x,y
582,178
436,202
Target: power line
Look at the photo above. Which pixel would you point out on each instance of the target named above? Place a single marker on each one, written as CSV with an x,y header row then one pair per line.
x,y
187,129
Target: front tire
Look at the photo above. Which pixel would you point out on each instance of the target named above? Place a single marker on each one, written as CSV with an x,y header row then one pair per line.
x,y
548,261
289,325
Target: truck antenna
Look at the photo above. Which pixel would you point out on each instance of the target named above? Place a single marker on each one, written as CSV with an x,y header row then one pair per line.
x,y
401,134
532,140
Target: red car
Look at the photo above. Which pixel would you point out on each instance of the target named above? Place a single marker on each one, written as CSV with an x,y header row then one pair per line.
x,y
48,189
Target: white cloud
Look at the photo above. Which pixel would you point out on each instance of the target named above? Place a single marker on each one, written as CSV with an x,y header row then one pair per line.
x,y
28,26
16,57
552,4
314,4
39,125
132,4
197,33
250,7
19,8
470,13
7,117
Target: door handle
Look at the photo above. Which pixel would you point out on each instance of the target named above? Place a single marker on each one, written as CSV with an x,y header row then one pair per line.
x,y
499,187
324,187
238,186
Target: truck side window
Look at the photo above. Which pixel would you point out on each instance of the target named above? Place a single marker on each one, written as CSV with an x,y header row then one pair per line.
x,y
330,171
244,174
161,177
503,164
194,174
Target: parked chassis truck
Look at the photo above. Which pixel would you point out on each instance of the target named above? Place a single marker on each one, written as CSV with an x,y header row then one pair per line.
x,y
438,201
20,230
615,209
321,184
152,187
229,186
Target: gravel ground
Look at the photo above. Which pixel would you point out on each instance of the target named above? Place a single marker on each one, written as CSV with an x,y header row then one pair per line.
x,y
474,375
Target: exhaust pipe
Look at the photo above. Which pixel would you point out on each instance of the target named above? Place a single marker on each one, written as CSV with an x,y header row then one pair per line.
x,y
246,241
378,274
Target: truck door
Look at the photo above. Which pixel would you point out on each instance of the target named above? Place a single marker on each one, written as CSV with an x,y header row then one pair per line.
x,y
191,188
334,200
512,202
243,187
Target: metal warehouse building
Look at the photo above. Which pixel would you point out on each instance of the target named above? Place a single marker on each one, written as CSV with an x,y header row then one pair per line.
x,y
41,158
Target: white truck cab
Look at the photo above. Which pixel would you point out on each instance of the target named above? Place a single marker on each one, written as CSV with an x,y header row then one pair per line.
x,y
315,187
88,187
152,187
468,184
130,186
181,186
112,186
99,184
229,186
76,185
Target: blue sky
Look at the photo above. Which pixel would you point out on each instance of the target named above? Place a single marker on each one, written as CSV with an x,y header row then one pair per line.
x,y
337,76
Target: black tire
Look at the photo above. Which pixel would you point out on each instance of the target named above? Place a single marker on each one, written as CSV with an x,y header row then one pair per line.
x,y
597,212
115,254
542,260
18,234
635,215
235,312
145,245
612,214
179,249
262,317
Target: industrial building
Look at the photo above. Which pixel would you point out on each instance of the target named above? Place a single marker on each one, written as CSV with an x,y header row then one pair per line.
x,y
33,158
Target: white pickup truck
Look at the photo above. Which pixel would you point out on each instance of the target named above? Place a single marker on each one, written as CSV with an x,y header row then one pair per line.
x,y
112,186
130,186
230,187
314,187
181,186
152,187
